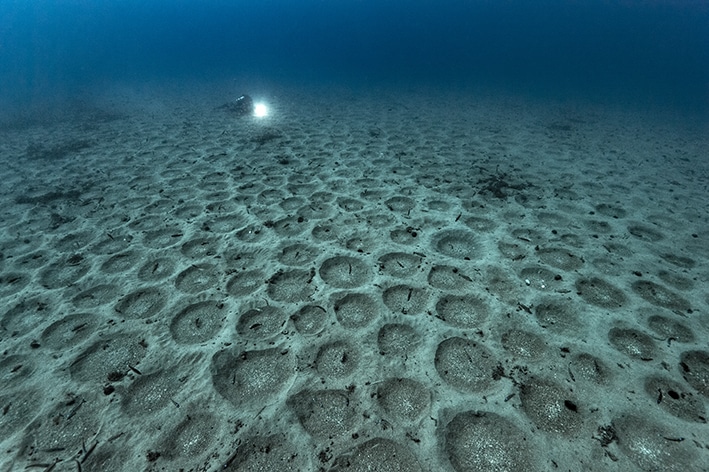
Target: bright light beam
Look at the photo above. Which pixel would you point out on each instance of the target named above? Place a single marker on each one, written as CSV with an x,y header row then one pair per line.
x,y
260,110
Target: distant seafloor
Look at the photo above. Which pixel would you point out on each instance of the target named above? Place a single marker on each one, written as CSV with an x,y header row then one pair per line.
x,y
369,278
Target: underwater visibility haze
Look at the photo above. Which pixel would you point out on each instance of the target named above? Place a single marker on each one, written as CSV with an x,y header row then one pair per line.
x,y
290,236
654,51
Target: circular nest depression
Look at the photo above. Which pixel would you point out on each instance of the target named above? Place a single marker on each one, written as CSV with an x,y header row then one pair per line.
x,y
694,366
70,331
356,310
400,264
345,272
398,339
611,211
310,320
261,323
246,282
122,262
149,393
400,204
252,378
483,441
291,286
600,293
191,437
12,283
404,399
157,269
523,344
142,303
198,322
556,315
268,453
644,443
405,300
560,258
550,407
57,275
590,368
325,413
251,234
448,278
197,278
458,244
95,296
670,329
465,311
377,454
633,343
660,296
199,248
298,255
676,399
108,356
465,365
336,360
645,233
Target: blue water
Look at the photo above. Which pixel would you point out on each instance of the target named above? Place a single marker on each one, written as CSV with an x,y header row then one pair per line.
x,y
349,280
647,52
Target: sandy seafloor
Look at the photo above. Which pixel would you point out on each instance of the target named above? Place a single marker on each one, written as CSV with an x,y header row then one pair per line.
x,y
384,281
